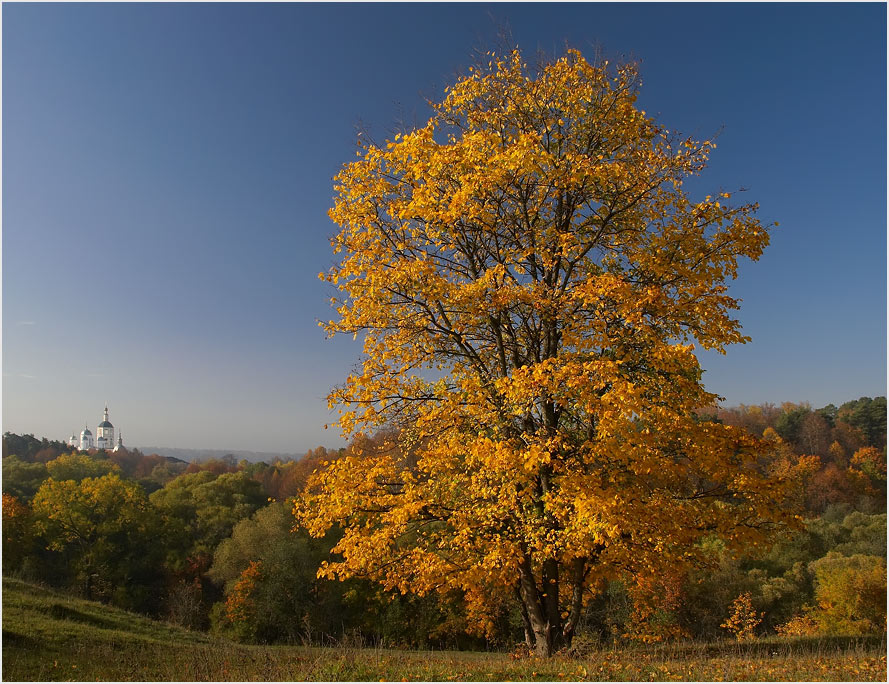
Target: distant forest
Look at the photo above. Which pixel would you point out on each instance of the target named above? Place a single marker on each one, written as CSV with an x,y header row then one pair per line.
x,y
211,545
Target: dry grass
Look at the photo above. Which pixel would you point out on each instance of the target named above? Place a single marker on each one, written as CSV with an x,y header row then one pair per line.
x,y
48,636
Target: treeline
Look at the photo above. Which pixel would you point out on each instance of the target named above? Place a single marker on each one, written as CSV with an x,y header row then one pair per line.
x,y
211,546
850,442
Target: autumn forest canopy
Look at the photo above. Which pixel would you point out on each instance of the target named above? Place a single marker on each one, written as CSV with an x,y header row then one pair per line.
x,y
533,455
211,551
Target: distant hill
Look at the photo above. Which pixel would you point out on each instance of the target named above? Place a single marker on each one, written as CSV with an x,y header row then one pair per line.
x,y
200,455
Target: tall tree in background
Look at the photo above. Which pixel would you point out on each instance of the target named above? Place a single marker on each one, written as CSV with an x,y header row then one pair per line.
x,y
529,278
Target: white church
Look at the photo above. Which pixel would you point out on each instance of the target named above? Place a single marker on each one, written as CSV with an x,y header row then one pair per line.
x,y
104,437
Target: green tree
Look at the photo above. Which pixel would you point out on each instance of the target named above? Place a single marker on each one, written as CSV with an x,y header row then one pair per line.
x,y
289,600
869,416
79,466
790,423
29,448
862,534
273,594
22,479
107,531
17,533
202,508
829,413
783,581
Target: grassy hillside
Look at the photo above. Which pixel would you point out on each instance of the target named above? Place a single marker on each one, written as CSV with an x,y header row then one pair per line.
x,y
50,636
47,635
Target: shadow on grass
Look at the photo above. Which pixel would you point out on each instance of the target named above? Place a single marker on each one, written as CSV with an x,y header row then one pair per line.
x,y
60,611
11,638
773,647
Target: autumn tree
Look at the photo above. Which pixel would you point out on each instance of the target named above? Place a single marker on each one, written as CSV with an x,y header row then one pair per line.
x,y
529,279
850,594
17,533
743,619
814,435
754,419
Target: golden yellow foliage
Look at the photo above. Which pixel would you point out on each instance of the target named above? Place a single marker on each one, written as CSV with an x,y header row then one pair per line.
x,y
529,280
799,625
743,619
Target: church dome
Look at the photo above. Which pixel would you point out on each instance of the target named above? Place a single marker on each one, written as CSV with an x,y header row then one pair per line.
x,y
105,423
86,431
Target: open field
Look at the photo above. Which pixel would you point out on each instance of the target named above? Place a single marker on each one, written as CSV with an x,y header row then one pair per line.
x,y
50,636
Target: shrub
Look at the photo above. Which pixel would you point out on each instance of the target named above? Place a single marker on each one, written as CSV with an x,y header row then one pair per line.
x,y
798,626
850,594
743,619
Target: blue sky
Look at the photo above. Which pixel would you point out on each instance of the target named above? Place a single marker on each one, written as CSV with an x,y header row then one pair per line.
x,y
167,173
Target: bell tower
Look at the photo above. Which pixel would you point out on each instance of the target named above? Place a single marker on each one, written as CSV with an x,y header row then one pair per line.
x,y
105,433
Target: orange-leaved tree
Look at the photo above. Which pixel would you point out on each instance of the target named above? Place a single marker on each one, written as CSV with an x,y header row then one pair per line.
x,y
529,278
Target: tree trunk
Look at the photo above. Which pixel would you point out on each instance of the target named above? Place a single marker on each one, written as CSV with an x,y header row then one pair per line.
x,y
541,606
547,629
549,639
526,622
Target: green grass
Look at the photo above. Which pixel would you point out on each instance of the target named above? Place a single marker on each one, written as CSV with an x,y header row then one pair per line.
x,y
50,636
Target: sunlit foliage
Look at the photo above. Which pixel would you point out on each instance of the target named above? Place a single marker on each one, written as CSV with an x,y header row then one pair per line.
x,y
79,466
850,592
106,530
201,508
743,618
529,280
